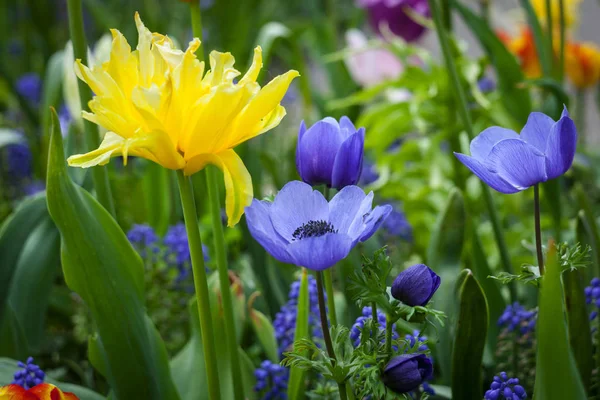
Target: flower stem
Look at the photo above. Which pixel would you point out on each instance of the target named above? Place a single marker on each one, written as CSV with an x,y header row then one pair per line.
x,y
550,29
221,251
580,115
562,38
91,136
389,326
538,229
466,118
328,279
325,327
200,284
374,315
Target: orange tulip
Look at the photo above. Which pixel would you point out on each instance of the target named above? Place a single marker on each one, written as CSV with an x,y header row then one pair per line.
x,y
582,64
523,47
43,391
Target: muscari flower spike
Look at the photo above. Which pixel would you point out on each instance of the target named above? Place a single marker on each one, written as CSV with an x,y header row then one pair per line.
x,y
504,387
592,296
29,86
330,153
300,227
144,239
359,324
397,225
159,103
29,375
516,316
19,160
272,379
178,251
509,162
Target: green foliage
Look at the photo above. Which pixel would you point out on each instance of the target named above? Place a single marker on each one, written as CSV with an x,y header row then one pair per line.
x,y
297,373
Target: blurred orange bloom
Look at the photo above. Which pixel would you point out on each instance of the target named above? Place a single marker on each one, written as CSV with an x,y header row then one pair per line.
x,y
523,47
582,64
44,391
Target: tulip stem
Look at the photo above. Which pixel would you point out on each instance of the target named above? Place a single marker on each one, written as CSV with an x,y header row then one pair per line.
x,y
328,280
466,118
91,136
389,326
221,251
550,29
562,38
538,229
200,284
325,327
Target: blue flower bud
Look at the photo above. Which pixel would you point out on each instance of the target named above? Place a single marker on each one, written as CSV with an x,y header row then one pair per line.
x,y
406,372
415,285
330,153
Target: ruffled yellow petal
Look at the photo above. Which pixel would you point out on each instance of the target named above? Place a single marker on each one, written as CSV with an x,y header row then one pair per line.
x,y
238,183
155,146
254,69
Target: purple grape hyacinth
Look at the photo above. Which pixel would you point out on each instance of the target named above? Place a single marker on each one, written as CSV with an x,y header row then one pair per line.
x,y
29,375
504,387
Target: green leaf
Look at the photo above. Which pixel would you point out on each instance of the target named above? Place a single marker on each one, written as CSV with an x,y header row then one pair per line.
x,y
515,97
263,328
553,349
13,234
267,36
296,382
578,322
8,368
470,340
33,280
157,193
491,289
100,265
444,257
590,227
13,342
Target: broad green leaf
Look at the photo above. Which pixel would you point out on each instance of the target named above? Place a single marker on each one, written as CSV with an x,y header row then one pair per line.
x,y
491,288
443,256
265,333
13,342
515,97
100,265
470,340
578,321
586,216
10,136
556,374
296,382
442,391
157,193
8,367
33,280
13,234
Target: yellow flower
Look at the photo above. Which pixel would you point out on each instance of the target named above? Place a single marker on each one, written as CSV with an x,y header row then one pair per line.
x,y
571,9
582,64
157,103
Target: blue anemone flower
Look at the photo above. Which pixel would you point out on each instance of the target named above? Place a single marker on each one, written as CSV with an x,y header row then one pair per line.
x,y
301,228
509,162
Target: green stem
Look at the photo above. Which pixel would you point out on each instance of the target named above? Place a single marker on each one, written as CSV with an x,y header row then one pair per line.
x,y
580,115
466,118
550,29
196,16
325,327
389,326
92,139
375,319
221,253
562,27
538,228
200,284
484,5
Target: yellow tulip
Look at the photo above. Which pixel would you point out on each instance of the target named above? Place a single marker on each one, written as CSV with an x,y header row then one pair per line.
x,y
571,8
582,64
157,103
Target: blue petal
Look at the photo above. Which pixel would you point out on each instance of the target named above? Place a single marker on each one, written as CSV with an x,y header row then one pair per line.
x,y
561,146
347,127
537,129
373,221
348,161
295,205
346,205
261,228
317,150
320,252
482,145
488,177
518,163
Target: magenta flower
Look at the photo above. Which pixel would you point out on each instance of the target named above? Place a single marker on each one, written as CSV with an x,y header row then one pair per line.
x,y
392,13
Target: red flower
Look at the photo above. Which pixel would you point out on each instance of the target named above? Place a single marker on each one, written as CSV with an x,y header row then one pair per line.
x,y
43,391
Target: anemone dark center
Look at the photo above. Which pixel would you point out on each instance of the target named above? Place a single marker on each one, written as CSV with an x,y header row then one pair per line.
x,y
313,229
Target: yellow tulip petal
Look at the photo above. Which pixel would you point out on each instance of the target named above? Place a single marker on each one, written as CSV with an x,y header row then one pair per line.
x,y
146,59
155,146
254,69
221,68
238,183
